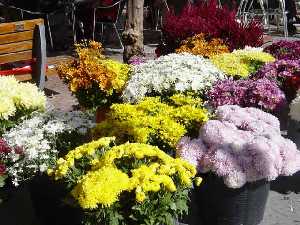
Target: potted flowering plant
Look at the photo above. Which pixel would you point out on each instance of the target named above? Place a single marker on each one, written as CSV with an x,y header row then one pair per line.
x,y
171,73
211,20
240,151
243,62
95,80
288,50
127,184
34,145
198,45
262,93
154,120
18,100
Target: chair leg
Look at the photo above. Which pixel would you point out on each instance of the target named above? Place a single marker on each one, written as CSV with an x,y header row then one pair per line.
x,y
102,33
74,24
49,31
115,27
94,24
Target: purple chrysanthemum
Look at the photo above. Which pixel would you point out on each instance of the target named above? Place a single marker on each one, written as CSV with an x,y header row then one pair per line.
x,y
284,49
261,93
242,145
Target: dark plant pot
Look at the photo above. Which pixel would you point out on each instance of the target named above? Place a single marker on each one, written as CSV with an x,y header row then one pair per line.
x,y
286,184
213,203
293,132
16,207
47,197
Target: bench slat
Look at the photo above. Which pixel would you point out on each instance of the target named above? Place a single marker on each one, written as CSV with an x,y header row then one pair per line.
x,y
24,77
6,28
15,47
16,37
15,57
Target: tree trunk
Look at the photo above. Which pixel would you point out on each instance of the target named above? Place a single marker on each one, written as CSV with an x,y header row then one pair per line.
x,y
133,38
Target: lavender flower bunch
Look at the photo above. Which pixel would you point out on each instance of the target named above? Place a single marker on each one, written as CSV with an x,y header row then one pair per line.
x,y
261,93
279,70
242,145
284,49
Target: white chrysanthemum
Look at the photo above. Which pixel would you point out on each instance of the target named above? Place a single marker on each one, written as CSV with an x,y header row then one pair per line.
x,y
295,108
178,72
37,138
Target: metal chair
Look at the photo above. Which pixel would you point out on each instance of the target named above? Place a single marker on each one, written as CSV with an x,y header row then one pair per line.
x,y
116,10
247,12
44,15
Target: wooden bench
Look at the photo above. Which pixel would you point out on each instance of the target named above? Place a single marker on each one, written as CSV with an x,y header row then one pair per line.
x,y
24,41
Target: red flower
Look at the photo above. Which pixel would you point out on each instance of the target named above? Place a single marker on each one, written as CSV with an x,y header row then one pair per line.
x,y
214,22
2,169
4,148
19,150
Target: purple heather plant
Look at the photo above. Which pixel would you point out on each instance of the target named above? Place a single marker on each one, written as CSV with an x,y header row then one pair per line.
x,y
262,93
241,145
284,49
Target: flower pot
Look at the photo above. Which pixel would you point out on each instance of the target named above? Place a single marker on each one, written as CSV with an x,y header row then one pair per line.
x,y
101,114
48,201
293,132
213,203
16,207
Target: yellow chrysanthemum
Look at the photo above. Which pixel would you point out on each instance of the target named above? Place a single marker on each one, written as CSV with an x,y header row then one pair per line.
x,y
101,187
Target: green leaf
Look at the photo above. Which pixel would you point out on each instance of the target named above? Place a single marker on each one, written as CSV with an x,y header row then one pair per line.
x,y
2,180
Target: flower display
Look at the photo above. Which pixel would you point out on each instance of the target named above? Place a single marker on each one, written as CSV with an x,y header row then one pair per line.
x,y
171,73
129,175
284,49
241,145
295,108
95,80
36,142
17,100
262,93
285,72
197,45
214,22
153,121
242,63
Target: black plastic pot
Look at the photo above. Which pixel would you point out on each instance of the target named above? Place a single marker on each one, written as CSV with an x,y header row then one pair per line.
x,y
213,203
48,201
16,207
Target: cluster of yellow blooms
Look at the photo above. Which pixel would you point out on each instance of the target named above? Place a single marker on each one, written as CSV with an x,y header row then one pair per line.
x,y
102,184
153,118
91,68
16,96
198,45
241,63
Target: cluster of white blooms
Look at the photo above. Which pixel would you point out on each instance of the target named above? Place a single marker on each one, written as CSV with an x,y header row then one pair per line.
x,y
34,141
16,96
173,72
295,108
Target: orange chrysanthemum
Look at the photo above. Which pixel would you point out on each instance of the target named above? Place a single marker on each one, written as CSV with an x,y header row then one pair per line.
x,y
198,45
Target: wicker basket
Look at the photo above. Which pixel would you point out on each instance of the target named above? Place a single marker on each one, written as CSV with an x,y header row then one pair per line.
x,y
213,203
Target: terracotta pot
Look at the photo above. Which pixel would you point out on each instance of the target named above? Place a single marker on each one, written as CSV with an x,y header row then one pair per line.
x,y
101,114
